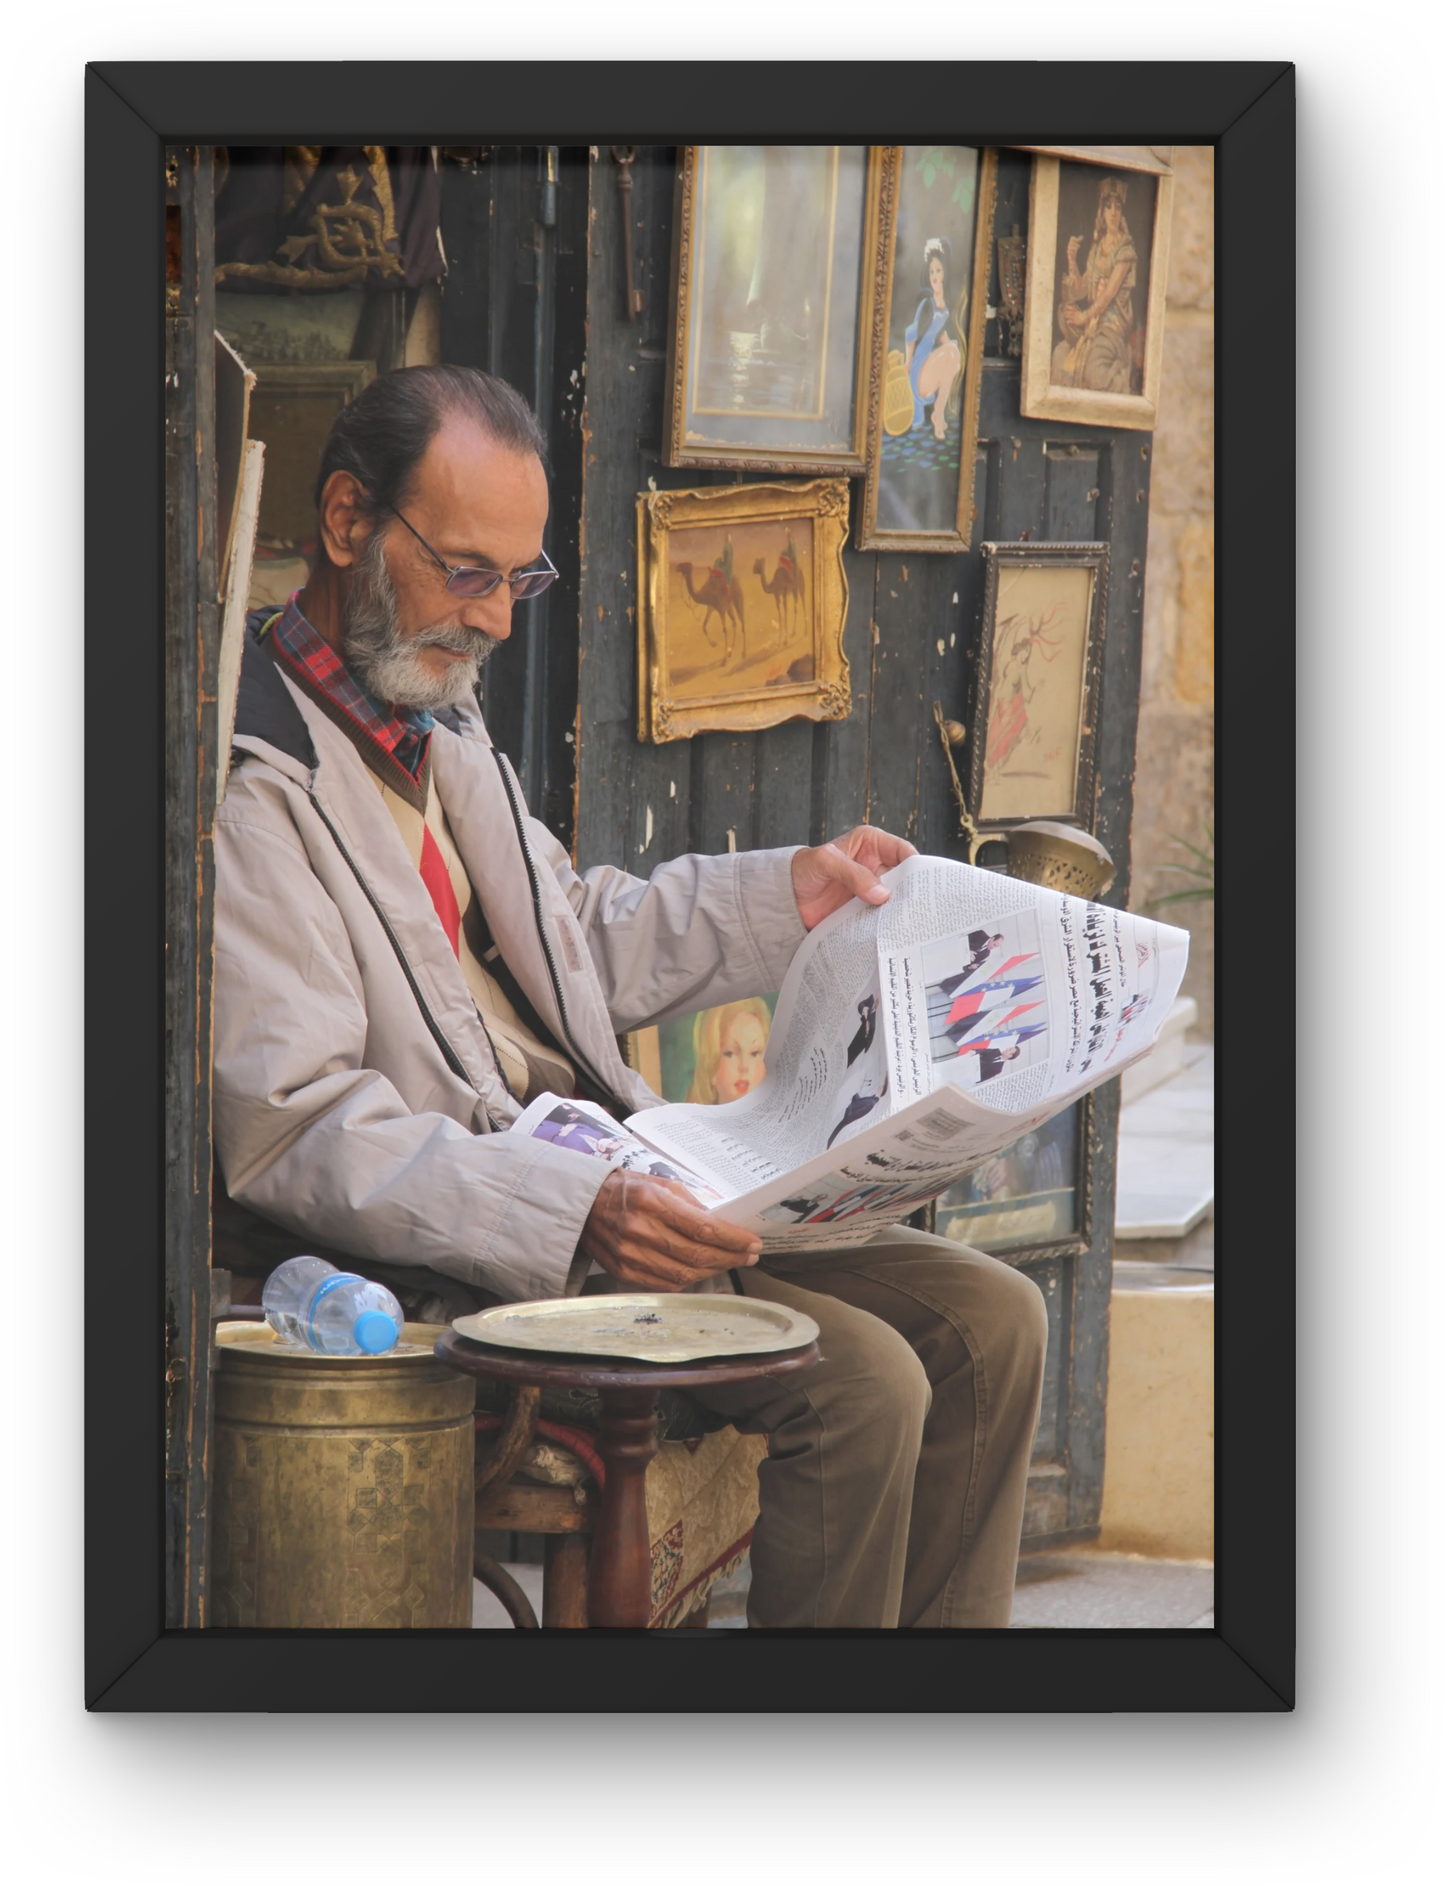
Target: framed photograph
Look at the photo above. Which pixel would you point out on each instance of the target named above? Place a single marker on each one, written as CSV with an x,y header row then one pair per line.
x,y
294,405
742,604
710,1057
927,349
1032,1199
1031,746
292,408
1098,266
776,252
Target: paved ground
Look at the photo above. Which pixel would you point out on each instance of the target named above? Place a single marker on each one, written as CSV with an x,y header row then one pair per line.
x,y
1112,1590
1056,1590
1166,1155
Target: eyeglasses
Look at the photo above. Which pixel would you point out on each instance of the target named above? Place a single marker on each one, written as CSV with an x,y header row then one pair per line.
x,y
464,580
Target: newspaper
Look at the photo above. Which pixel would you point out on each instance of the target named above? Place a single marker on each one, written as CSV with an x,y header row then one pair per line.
x,y
912,1041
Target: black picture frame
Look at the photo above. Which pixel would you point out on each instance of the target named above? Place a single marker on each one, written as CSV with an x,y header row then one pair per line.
x,y
1039,556
1073,1243
132,1662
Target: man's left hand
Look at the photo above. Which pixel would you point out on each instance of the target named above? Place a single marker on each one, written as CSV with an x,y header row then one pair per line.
x,y
826,876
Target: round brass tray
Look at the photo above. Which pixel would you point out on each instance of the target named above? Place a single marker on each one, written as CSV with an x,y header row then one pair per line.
x,y
645,1327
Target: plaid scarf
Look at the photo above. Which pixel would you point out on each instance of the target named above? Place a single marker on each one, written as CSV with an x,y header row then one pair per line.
x,y
404,733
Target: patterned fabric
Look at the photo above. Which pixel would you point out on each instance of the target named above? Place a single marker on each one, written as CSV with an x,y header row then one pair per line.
x,y
403,733
702,1505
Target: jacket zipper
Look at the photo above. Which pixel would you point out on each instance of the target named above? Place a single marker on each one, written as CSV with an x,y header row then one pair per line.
x,y
448,1053
512,801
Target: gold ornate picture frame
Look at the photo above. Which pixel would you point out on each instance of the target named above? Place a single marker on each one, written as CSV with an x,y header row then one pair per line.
x,y
776,266
742,599
935,231
1098,271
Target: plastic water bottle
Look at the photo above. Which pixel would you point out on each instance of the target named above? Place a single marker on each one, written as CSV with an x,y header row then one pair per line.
x,y
312,1304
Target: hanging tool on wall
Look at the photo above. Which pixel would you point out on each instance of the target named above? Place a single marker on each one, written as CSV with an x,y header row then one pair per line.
x,y
953,733
623,156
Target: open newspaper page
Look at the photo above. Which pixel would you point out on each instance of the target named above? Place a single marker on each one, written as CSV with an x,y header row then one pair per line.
x,y
914,1040
580,1127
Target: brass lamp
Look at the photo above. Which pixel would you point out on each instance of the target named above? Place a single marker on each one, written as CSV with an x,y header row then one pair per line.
x,y
1060,857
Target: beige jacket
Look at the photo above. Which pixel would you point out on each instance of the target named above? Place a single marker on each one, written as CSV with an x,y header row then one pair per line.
x,y
357,1101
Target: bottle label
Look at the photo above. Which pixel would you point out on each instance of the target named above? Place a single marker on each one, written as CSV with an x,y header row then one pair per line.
x,y
341,1277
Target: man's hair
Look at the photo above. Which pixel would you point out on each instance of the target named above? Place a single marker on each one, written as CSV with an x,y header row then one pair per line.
x,y
381,436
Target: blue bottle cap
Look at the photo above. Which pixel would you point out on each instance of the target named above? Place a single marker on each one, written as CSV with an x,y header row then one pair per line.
x,y
374,1332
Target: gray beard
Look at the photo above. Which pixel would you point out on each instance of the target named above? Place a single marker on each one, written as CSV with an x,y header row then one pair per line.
x,y
385,660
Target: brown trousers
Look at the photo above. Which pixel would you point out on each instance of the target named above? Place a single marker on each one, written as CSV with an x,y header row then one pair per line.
x,y
893,1491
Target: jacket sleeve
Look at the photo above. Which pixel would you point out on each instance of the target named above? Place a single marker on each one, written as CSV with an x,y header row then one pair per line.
x,y
313,1139
698,932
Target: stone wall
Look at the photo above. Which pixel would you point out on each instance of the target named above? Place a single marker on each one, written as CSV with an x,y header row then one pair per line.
x,y
1174,776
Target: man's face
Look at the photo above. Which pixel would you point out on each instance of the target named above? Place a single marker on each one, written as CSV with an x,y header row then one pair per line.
x,y
476,503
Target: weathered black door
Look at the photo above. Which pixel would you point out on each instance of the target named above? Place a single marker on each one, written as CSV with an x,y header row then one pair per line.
x,y
536,291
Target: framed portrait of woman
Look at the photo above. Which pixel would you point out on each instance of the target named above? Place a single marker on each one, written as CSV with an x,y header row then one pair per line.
x,y
1098,266
774,267
927,350
1031,746
709,1057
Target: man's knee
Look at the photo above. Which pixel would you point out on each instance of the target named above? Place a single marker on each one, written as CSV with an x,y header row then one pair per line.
x,y
876,1385
1014,1328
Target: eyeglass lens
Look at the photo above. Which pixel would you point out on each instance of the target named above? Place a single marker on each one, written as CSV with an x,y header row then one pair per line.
x,y
483,582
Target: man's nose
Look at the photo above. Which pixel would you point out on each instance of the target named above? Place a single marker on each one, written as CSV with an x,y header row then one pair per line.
x,y
489,615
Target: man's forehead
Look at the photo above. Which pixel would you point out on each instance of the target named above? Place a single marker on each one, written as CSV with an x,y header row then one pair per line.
x,y
464,468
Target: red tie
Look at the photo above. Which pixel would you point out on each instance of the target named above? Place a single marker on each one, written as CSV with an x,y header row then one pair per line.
x,y
439,886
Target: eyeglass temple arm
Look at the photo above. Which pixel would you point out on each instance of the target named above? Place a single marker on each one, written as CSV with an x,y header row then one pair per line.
x,y
453,569
439,561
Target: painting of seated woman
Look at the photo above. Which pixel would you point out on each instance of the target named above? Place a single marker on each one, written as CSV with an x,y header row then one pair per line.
x,y
921,482
1103,275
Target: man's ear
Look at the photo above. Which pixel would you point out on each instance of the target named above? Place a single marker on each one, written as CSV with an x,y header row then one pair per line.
x,y
344,521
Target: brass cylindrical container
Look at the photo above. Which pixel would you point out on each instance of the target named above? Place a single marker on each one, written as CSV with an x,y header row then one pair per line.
x,y
343,1485
1060,857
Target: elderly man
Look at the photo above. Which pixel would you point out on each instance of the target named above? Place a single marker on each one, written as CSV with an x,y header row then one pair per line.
x,y
404,957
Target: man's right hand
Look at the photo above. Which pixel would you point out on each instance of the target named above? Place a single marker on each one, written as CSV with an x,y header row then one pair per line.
x,y
651,1234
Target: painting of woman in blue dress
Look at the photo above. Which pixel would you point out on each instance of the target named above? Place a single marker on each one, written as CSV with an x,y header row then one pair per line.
x,y
934,350
922,482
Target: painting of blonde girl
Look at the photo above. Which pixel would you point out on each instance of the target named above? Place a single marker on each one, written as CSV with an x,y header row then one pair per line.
x,y
731,1045
1096,306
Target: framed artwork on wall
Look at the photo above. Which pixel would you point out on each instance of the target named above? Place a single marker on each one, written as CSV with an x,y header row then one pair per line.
x,y
742,598
291,411
1098,266
710,1057
1031,746
1158,158
775,261
927,349
1032,1199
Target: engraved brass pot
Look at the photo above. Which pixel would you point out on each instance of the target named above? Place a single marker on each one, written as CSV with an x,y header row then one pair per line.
x,y
1060,857
342,1485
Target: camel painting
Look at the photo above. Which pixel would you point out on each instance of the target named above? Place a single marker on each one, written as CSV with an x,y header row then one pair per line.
x,y
785,586
721,596
742,596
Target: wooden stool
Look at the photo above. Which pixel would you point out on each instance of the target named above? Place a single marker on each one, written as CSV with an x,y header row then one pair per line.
x,y
615,1591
